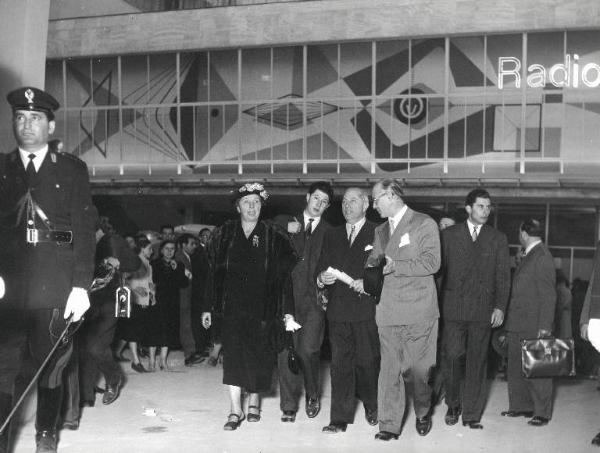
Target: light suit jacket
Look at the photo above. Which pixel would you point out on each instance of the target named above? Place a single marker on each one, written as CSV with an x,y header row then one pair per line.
x,y
409,294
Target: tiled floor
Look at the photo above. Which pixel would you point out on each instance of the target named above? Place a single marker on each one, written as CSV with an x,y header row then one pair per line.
x,y
191,406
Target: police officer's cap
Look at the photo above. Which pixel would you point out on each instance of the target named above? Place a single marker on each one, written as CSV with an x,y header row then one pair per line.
x,y
31,98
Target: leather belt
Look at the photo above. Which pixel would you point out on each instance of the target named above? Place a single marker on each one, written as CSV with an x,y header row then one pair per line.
x,y
35,235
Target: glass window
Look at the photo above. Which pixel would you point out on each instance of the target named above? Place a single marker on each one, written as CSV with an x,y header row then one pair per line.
x,y
510,49
54,80
322,71
467,65
223,82
257,74
194,76
391,71
572,225
79,82
106,81
134,79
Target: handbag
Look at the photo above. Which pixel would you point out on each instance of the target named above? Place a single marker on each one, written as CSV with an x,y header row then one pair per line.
x,y
548,357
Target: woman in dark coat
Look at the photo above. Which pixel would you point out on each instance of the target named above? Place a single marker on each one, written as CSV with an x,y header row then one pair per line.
x,y
162,329
250,265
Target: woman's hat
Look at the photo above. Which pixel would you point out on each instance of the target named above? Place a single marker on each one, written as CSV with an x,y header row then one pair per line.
x,y
251,188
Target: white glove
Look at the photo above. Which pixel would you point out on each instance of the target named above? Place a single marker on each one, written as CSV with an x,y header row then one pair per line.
x,y
594,333
290,324
188,274
2,288
77,304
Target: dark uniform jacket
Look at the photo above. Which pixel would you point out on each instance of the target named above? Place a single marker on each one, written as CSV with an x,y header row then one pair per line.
x,y
533,295
476,275
345,304
42,275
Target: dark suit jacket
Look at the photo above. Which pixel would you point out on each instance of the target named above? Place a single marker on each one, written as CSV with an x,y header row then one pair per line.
x,y
304,273
591,303
345,304
43,275
533,295
409,295
476,275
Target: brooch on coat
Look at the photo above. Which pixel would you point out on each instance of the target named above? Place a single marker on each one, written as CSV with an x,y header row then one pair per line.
x,y
255,242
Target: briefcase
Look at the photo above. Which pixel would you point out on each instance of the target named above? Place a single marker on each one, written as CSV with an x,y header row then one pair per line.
x,y
547,357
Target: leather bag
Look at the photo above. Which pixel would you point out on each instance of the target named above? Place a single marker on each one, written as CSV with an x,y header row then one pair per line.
x,y
548,357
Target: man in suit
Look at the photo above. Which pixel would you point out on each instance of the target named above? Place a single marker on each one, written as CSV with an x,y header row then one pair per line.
x,y
186,247
46,258
589,322
476,284
307,231
530,315
407,314
350,315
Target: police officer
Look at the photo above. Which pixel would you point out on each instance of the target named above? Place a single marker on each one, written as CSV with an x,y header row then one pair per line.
x,y
46,259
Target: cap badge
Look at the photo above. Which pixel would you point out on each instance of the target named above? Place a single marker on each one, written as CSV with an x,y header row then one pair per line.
x,y
29,95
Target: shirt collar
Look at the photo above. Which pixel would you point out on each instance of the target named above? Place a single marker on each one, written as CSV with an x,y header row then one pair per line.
x,y
40,155
357,226
471,225
532,245
398,217
316,221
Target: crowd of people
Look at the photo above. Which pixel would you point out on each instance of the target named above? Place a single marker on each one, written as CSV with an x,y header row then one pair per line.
x,y
407,304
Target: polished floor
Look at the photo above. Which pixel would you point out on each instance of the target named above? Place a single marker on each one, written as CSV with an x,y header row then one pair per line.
x,y
183,411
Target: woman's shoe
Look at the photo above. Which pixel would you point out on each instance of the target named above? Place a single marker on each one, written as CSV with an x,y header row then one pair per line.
x,y
233,422
253,414
138,367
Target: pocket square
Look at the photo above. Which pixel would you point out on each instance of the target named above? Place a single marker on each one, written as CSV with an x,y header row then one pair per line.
x,y
368,247
404,240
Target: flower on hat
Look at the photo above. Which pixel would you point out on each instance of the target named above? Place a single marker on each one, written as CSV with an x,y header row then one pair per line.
x,y
253,188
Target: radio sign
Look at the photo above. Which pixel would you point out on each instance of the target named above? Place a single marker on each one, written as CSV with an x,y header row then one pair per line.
x,y
562,75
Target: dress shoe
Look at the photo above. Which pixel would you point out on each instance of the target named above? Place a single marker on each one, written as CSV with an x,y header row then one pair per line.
x,y
538,421
334,428
313,406
233,422
386,435
472,424
253,413
45,441
288,416
452,415
112,392
596,440
423,425
527,414
371,416
193,359
138,367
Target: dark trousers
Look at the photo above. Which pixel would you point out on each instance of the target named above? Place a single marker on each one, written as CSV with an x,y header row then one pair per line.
x,y
27,336
465,355
307,342
355,361
186,332
95,353
527,395
407,355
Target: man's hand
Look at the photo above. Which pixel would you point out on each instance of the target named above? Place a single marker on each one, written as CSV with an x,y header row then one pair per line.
x,y
389,265
327,278
294,227
497,318
583,331
543,333
112,261
206,319
290,323
358,286
77,304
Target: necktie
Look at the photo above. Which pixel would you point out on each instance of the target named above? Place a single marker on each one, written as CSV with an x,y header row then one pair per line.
x,y
474,235
309,227
351,236
392,226
30,167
